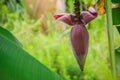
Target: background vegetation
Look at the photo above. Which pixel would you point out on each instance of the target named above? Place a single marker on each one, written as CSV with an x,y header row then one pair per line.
x,y
53,48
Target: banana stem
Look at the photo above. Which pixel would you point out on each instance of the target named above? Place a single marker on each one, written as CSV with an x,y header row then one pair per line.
x,y
77,11
110,38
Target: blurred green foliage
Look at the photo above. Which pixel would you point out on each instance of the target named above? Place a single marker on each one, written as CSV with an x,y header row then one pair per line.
x,y
54,49
10,10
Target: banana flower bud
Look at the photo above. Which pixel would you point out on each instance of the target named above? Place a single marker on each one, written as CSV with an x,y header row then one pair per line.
x,y
79,36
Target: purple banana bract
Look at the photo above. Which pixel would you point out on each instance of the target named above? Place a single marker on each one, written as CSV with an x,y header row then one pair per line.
x,y
79,35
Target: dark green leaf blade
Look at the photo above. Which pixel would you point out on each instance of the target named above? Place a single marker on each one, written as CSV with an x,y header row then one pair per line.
x,y
115,1
5,33
116,16
117,55
118,28
16,64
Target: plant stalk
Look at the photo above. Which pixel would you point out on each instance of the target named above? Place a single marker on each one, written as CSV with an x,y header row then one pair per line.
x,y
110,38
77,11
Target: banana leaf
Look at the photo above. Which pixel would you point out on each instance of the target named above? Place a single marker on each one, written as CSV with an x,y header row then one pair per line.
x,y
116,16
17,64
117,57
115,1
5,33
118,28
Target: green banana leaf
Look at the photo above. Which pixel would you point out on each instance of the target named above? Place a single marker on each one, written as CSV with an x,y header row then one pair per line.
x,y
17,64
5,33
118,28
115,1
117,57
116,16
